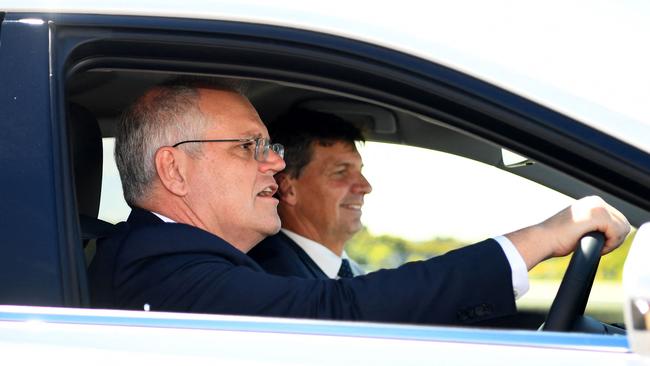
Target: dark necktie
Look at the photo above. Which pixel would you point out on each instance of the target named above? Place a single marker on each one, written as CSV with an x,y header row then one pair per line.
x,y
345,271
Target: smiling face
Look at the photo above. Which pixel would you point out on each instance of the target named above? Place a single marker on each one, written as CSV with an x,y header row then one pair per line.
x,y
229,191
327,197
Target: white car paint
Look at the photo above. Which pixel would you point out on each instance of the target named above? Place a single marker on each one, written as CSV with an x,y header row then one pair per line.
x,y
79,336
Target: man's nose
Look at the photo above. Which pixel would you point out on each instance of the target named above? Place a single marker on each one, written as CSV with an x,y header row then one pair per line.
x,y
274,163
362,185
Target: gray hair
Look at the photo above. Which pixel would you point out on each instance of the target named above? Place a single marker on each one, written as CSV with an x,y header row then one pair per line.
x,y
164,116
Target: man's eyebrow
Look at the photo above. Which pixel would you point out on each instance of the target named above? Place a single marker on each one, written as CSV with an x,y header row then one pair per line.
x,y
250,134
343,164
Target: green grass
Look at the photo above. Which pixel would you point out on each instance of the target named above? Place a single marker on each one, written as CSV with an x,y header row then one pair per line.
x,y
605,301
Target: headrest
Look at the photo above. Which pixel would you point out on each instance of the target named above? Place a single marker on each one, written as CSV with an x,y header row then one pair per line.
x,y
87,158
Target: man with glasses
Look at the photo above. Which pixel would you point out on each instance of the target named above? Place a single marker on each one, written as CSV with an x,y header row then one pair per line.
x,y
201,203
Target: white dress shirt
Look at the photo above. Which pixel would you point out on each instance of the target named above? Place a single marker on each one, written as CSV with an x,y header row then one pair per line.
x,y
164,218
324,258
520,284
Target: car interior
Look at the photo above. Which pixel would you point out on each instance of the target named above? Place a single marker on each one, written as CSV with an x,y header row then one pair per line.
x,y
95,99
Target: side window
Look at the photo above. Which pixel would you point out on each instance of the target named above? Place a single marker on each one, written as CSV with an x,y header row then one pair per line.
x,y
425,203
112,207
422,195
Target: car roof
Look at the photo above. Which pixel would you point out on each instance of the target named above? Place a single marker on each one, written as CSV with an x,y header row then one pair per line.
x,y
585,62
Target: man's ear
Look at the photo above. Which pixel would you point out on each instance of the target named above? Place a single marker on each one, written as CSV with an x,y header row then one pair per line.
x,y
171,170
286,190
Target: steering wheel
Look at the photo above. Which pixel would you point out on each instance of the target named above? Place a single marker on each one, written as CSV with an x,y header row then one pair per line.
x,y
571,299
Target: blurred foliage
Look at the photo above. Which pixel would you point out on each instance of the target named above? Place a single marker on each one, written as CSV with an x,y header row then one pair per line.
x,y
385,251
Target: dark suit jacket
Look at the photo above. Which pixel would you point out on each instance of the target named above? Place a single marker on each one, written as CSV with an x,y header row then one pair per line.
x,y
278,254
177,267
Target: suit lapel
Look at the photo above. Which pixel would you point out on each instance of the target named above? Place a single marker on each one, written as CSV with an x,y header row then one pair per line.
x,y
309,263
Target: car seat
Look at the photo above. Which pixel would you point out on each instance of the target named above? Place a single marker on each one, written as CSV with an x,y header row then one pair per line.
x,y
87,164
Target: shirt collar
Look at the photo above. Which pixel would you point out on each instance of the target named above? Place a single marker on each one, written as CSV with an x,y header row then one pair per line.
x,y
324,258
164,218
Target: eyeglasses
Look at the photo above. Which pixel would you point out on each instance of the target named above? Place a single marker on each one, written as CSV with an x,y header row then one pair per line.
x,y
262,146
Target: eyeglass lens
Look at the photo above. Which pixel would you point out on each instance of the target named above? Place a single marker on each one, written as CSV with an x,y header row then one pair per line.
x,y
262,147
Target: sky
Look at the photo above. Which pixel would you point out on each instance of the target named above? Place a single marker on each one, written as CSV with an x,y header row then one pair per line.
x,y
420,194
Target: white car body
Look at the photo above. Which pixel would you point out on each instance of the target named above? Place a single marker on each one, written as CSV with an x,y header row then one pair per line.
x,y
531,50
76,336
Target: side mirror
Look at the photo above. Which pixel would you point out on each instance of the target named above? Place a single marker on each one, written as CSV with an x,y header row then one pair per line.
x,y
636,286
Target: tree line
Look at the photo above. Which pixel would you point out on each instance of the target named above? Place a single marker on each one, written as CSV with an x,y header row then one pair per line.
x,y
375,252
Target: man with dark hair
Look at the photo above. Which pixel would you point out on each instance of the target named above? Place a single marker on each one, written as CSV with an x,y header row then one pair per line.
x,y
197,168
321,194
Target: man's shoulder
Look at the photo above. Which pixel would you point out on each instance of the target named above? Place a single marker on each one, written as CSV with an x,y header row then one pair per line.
x,y
135,241
170,255
173,238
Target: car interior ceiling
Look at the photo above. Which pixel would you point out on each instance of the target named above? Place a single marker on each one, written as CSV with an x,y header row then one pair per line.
x,y
105,93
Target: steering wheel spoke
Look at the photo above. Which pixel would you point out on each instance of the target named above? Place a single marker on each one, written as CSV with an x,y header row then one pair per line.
x,y
571,299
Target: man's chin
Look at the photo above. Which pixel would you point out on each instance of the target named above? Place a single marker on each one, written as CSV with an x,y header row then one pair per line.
x,y
264,232
355,227
272,228
275,230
